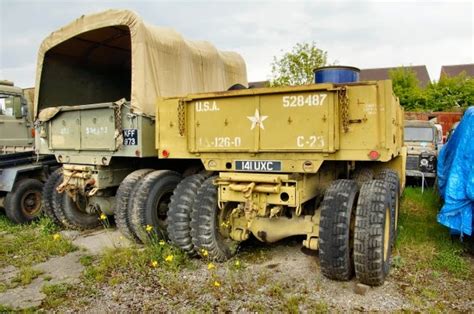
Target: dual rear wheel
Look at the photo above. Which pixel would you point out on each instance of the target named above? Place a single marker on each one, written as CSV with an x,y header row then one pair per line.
x,y
357,228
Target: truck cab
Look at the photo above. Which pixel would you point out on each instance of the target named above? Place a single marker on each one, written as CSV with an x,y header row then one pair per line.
x,y
421,140
15,126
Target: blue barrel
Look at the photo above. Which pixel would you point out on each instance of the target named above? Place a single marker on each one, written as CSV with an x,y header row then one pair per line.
x,y
336,74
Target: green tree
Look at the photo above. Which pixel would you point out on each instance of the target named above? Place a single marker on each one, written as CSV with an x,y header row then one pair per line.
x,y
296,67
407,88
450,92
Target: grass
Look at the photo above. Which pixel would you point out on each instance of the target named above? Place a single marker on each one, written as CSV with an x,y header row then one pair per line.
x,y
120,261
427,265
56,294
26,275
25,245
422,242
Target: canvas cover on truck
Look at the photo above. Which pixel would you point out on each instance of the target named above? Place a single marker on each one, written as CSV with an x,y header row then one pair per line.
x,y
111,55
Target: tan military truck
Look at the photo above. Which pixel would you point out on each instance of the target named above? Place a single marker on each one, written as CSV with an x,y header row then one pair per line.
x,y
323,161
22,172
98,82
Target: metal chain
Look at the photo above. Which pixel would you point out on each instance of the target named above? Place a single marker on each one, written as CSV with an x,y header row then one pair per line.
x,y
181,117
118,123
344,102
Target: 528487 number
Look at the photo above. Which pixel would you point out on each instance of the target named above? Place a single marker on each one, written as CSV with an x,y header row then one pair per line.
x,y
303,100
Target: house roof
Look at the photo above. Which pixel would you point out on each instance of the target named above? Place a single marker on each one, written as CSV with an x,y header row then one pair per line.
x,y
453,70
384,74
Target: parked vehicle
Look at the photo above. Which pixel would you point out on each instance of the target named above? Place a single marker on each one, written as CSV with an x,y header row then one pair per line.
x,y
421,140
22,172
98,116
284,162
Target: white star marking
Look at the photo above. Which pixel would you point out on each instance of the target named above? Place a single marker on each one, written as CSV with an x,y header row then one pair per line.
x,y
257,119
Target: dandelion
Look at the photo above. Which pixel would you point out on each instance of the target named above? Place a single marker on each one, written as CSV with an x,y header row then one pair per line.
x,y
204,252
211,266
103,217
162,242
169,258
154,264
217,284
56,236
237,263
148,228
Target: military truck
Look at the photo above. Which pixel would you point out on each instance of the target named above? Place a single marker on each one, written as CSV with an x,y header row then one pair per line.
x,y
98,81
22,173
421,139
323,161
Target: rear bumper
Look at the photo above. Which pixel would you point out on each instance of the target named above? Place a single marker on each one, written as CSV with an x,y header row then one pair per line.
x,y
417,173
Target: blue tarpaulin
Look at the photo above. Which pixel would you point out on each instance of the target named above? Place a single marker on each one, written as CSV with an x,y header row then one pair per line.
x,y
456,177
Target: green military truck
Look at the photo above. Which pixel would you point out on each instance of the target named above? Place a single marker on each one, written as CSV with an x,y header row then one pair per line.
x,y
322,161
98,81
22,172
421,139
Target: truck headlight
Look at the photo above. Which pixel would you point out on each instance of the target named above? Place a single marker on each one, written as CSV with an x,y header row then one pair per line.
x,y
427,162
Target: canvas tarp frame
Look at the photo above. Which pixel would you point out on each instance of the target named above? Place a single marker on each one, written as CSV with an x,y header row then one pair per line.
x,y
162,62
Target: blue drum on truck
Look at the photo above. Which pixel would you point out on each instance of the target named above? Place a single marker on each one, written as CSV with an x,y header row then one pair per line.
x,y
336,74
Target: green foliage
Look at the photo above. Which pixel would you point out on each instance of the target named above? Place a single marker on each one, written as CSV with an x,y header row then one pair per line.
x,y
406,87
296,67
449,92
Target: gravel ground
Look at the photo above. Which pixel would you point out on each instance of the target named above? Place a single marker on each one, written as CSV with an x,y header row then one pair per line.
x,y
280,277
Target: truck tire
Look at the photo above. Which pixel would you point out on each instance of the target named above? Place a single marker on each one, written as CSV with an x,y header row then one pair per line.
x,y
372,234
151,201
391,177
23,203
73,214
361,175
335,235
179,214
205,217
49,189
124,200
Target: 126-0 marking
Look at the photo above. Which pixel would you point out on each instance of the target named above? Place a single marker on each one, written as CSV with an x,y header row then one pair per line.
x,y
221,142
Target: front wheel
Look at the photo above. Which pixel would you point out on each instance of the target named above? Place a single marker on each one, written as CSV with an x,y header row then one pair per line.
x,y
23,203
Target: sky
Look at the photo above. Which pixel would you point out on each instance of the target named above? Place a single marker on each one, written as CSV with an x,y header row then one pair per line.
x,y
365,34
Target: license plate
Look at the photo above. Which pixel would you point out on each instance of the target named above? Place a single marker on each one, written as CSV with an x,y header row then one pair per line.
x,y
258,165
130,137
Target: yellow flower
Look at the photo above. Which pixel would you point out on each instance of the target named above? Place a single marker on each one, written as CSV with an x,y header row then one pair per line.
x,y
162,242
169,258
237,263
148,228
56,236
211,266
204,252
217,284
154,264
103,216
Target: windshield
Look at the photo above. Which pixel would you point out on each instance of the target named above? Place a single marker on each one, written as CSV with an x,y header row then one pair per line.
x,y
413,134
4,111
